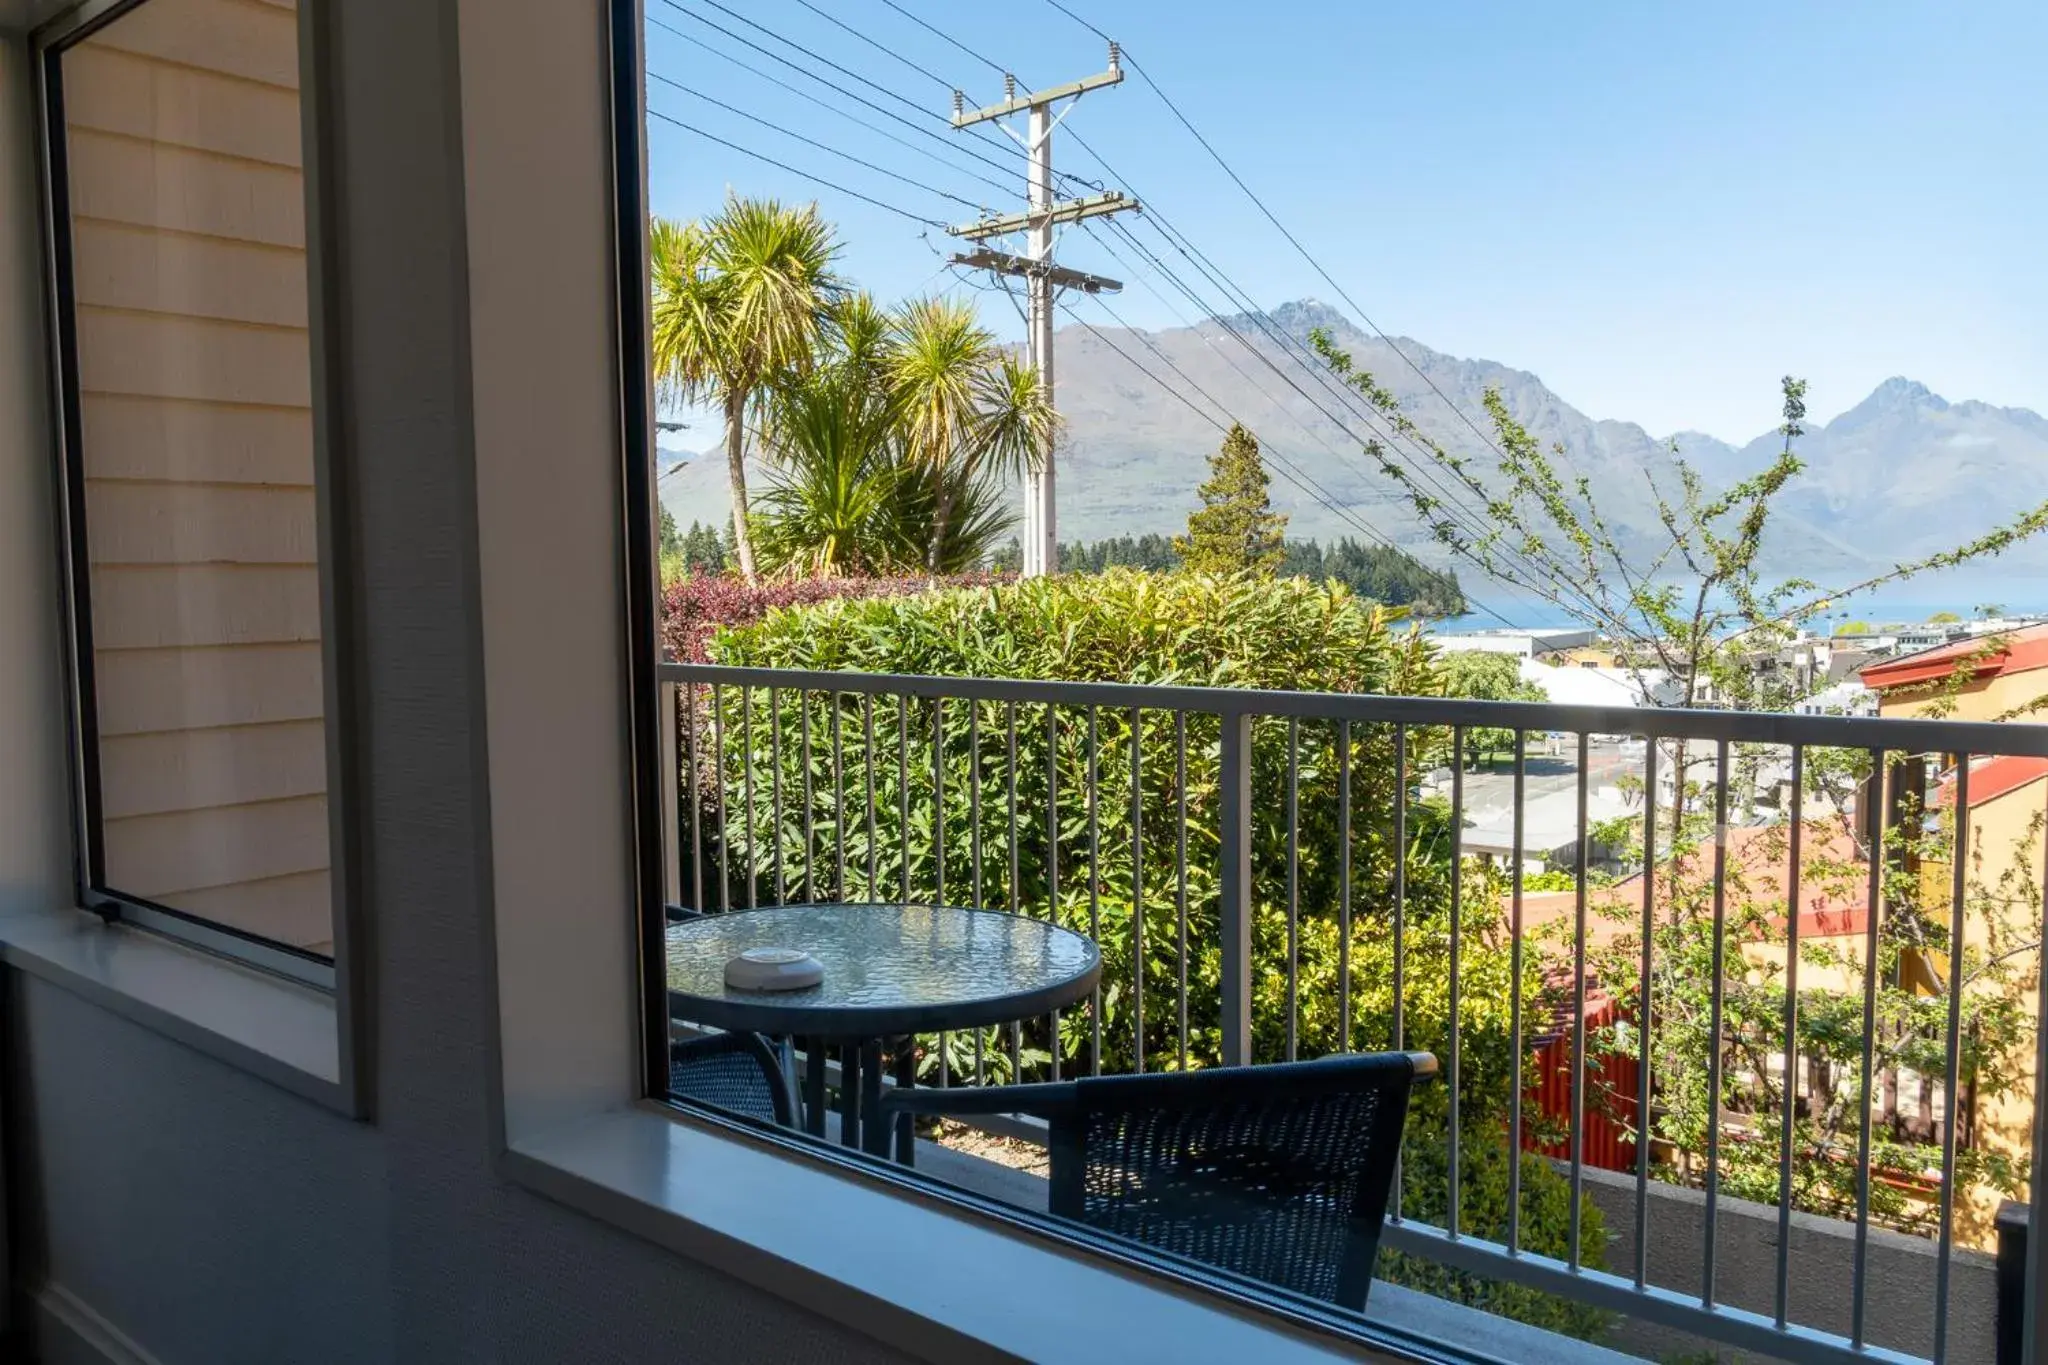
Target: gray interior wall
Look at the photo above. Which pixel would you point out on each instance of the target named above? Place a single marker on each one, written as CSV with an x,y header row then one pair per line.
x,y
195,1211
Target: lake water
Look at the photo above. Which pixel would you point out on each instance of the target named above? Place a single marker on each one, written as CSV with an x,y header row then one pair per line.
x,y
1962,593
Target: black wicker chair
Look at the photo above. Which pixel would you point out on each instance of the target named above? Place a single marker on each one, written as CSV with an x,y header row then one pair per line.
x,y
1280,1173
734,1071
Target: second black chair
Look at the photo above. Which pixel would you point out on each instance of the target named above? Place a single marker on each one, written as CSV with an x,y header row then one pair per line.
x,y
1280,1173
734,1071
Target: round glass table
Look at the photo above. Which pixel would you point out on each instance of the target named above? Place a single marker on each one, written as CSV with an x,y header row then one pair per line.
x,y
891,971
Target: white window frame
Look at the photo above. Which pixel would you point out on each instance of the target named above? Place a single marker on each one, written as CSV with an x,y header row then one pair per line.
x,y
553,93
298,1023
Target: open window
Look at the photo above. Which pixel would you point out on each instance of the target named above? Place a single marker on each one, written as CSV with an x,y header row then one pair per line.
x,y
188,365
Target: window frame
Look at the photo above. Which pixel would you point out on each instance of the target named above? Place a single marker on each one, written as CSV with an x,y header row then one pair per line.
x,y
1310,1325
49,43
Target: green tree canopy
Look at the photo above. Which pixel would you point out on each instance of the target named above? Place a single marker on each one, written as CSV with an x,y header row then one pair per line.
x,y
1943,618
1236,527
737,301
1482,676
1853,628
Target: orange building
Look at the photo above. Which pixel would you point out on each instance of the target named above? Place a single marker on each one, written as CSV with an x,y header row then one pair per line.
x,y
1994,678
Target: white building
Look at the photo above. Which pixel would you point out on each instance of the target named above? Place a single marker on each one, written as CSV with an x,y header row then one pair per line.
x,y
1525,644
1584,685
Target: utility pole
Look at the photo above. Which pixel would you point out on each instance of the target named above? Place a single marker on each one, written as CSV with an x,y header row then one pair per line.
x,y
1042,214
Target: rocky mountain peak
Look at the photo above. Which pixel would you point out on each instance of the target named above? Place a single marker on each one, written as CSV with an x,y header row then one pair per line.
x,y
1896,396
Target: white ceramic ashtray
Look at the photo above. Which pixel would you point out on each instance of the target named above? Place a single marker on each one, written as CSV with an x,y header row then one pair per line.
x,y
773,969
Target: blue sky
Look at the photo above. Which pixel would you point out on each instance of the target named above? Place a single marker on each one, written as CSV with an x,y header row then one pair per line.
x,y
1659,209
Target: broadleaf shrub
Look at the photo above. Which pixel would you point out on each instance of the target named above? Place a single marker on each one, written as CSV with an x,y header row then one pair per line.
x,y
829,796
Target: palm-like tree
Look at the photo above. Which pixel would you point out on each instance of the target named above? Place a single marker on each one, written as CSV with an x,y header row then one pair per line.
x,y
835,472
965,405
737,302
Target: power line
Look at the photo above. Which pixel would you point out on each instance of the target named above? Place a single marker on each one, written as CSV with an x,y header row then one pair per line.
x,y
1292,240
1078,19
715,26
883,48
1346,398
943,36
813,142
1455,508
784,165
802,94
1465,518
1253,312
848,72
1227,358
1327,498
1285,467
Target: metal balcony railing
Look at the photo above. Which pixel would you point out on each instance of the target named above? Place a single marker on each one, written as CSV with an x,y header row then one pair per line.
x,y
1818,983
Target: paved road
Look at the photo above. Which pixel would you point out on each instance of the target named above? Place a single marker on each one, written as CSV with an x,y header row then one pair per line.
x,y
1494,791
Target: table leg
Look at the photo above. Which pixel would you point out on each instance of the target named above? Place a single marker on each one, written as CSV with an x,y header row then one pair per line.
x,y
815,1056
906,1125
849,1095
874,1130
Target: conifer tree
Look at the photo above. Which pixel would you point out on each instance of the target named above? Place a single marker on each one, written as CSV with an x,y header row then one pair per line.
x,y
1236,527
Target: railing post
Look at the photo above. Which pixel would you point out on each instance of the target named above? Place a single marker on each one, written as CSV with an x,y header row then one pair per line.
x,y
1235,914
2033,1313
2011,1311
669,776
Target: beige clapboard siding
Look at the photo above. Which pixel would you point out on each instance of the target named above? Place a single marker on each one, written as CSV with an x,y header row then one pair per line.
x,y
295,909
226,37
203,604
177,770
143,691
129,436
137,269
161,855
131,95
161,356
187,523
175,189
187,237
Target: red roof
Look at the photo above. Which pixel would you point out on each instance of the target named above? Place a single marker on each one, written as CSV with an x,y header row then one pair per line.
x,y
1991,778
2016,651
1833,903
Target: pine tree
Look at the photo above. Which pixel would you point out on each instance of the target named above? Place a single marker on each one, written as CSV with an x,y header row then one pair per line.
x,y
1236,528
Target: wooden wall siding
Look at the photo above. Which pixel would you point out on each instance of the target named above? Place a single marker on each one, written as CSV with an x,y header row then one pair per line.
x,y
131,437
177,189
194,375
192,523
137,269
203,604
292,908
227,37
197,850
158,355
142,691
172,770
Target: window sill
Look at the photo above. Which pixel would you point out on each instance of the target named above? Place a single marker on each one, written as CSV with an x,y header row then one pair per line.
x,y
940,1283
285,1033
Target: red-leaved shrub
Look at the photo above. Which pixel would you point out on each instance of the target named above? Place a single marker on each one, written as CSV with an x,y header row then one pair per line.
x,y
694,608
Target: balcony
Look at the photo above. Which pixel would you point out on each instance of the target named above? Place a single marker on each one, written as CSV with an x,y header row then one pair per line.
x,y
1834,943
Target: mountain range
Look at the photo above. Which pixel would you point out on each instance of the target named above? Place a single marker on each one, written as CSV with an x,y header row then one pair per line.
x,y
1903,473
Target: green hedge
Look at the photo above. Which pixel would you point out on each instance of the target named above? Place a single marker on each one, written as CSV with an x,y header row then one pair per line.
x,y
942,774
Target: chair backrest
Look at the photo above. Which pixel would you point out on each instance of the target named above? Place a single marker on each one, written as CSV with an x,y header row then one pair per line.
x,y
735,1071
1280,1173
